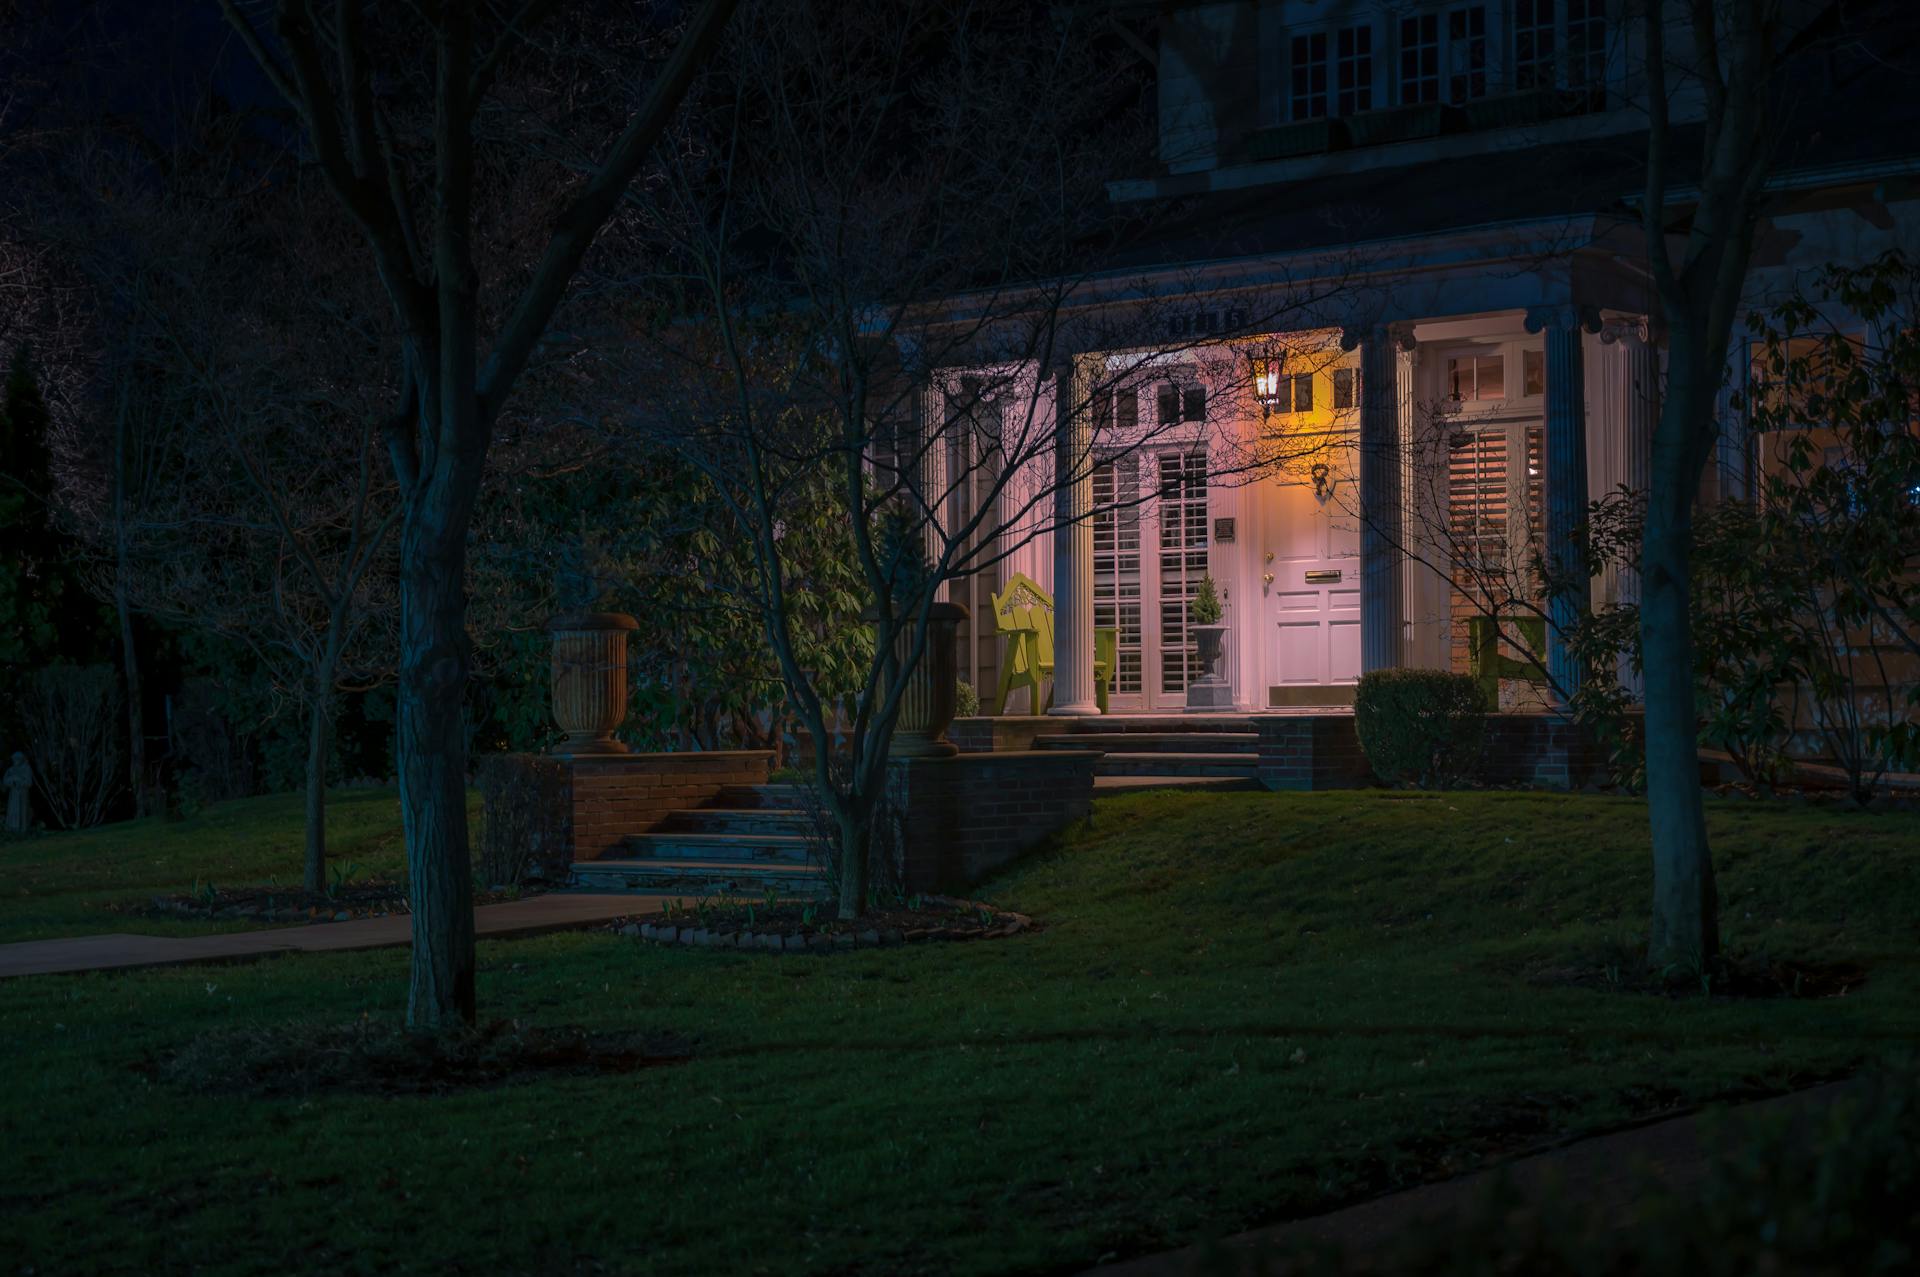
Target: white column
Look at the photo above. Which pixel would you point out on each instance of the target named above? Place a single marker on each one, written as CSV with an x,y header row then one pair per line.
x,y
1381,533
1072,551
1566,494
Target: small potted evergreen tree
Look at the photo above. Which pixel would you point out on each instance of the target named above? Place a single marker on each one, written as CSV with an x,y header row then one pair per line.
x,y
1212,690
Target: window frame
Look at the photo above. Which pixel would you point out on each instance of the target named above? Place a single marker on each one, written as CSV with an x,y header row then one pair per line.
x,y
1331,66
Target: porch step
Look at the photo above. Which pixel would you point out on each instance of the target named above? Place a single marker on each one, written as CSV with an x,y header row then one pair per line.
x,y
1135,784
1162,742
731,848
1183,763
745,821
700,877
782,796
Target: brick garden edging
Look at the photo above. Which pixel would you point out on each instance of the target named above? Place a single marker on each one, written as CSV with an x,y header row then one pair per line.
x,y
1011,924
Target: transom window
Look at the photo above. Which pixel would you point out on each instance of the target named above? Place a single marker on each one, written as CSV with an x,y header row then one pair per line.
x,y
1473,378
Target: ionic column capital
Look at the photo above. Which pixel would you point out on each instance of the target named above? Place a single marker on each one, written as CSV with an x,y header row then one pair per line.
x,y
1564,316
1630,330
1393,336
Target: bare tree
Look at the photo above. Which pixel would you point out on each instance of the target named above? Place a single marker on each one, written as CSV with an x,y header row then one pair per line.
x,y
896,280
1699,258
409,157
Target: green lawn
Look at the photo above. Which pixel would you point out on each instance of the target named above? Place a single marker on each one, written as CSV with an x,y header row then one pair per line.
x,y
65,884
1244,1007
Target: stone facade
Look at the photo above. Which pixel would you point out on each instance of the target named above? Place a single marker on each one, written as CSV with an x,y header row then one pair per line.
x,y
962,818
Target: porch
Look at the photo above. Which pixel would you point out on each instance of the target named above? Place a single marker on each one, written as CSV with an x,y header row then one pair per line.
x,y
1375,497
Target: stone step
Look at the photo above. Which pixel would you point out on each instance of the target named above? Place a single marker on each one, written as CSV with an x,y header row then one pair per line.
x,y
783,796
699,878
1177,764
739,848
1160,724
1154,742
782,821
1110,785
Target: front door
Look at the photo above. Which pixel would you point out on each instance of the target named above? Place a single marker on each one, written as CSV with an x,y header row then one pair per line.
x,y
1313,558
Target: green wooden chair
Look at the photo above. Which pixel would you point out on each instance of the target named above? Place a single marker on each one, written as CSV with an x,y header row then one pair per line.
x,y
1489,665
1023,617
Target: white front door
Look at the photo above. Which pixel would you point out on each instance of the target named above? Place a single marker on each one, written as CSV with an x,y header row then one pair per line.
x,y
1313,556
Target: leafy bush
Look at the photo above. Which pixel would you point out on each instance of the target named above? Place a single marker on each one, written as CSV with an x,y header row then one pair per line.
x,y
966,700
525,815
1423,727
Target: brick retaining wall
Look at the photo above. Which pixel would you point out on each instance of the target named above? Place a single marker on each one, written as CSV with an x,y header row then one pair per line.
x,y
1310,751
1007,732
618,795
1323,752
963,817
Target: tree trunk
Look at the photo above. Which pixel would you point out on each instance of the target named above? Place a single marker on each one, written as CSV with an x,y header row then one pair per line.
x,y
136,711
432,753
1685,929
856,840
319,745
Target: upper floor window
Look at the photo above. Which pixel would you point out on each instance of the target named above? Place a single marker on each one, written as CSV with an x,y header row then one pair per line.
x,y
1559,43
1331,73
1309,97
1443,56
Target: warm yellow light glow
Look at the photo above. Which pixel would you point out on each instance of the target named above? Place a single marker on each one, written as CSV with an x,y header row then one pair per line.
x,y
1266,380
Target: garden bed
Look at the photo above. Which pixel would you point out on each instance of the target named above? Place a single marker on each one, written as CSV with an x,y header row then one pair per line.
x,y
808,927
373,898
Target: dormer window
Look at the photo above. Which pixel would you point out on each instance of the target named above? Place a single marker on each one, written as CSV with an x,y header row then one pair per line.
x,y
1560,44
1444,52
1330,73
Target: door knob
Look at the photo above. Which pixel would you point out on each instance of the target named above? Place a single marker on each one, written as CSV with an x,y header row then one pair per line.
x,y
1267,577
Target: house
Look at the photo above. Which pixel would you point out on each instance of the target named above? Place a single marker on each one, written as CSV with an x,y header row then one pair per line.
x,y
1489,363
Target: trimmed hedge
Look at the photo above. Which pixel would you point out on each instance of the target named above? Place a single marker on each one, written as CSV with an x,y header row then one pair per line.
x,y
1421,727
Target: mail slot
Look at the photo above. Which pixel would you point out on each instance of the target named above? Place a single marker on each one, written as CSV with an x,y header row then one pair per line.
x,y
1322,575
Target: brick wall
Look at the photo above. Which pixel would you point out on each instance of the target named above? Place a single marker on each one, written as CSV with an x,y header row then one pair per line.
x,y
615,796
963,817
1007,732
1311,751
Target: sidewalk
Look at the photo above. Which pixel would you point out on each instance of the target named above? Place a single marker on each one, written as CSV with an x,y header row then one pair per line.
x,y
1611,1172
558,911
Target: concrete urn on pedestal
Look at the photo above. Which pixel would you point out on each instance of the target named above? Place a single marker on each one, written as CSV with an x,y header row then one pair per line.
x,y
1212,691
928,703
590,680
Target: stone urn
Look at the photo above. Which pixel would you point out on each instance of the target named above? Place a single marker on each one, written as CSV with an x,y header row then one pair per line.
x,y
590,679
1211,692
927,706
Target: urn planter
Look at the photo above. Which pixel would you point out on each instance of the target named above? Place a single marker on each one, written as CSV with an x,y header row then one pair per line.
x,y
590,679
1211,692
927,705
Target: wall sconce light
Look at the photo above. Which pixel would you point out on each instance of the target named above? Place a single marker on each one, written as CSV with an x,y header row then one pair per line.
x,y
1266,384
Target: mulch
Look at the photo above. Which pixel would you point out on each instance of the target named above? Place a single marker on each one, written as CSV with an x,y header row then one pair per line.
x,y
810,927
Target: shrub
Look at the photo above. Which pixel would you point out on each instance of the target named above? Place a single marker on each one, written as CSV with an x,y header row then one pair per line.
x,y
966,701
525,817
71,714
1423,727
1205,606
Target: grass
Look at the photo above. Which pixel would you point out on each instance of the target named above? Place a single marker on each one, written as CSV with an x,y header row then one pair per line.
x,y
65,884
1244,1007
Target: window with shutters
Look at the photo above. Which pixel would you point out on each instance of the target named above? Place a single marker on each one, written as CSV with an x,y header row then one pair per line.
x,y
1494,493
1181,479
1116,564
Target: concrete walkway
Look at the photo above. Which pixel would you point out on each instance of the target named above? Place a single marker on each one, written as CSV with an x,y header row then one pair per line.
x,y
1610,1173
558,911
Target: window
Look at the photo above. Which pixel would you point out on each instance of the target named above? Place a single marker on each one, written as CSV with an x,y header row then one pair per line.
x,y
1472,378
1116,563
1309,76
1183,560
1444,54
1177,405
1420,59
1560,43
1533,43
1494,495
1533,372
1353,70
1346,388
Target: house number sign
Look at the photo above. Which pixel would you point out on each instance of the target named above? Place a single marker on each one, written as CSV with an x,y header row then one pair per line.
x,y
1223,531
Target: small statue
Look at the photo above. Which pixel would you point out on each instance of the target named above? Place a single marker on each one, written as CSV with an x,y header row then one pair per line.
x,y
19,786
